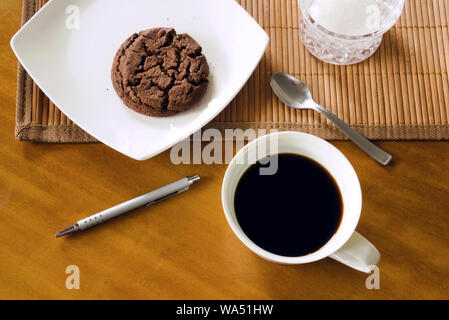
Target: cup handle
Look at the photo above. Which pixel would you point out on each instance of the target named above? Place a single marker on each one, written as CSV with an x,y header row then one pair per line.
x,y
358,253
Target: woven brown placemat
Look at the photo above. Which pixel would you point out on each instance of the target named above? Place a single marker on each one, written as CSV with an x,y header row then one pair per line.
x,y
401,93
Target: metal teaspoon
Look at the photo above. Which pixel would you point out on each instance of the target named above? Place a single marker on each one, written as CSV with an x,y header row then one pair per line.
x,y
295,93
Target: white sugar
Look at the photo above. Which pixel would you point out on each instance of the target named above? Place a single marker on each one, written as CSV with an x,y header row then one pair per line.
x,y
349,17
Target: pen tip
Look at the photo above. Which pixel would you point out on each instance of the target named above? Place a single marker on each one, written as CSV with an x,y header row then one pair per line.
x,y
73,228
58,234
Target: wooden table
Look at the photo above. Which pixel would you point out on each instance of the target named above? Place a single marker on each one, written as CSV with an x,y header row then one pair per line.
x,y
183,248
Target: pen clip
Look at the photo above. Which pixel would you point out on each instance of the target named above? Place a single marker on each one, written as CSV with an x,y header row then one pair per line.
x,y
166,197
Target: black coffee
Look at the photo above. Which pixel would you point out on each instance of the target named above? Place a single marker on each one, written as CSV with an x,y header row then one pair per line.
x,y
292,213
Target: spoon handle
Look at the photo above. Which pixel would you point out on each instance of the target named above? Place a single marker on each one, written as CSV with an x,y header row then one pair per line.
x,y
371,149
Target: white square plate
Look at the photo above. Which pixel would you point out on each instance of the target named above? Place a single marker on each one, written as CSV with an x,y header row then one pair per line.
x,y
72,66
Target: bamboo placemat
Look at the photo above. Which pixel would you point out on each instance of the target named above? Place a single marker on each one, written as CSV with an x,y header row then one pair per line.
x,y
401,93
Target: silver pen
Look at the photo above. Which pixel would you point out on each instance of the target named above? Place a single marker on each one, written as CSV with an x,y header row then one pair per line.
x,y
145,200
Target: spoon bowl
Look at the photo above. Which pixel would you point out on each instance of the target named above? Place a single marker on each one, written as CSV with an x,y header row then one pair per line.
x,y
292,91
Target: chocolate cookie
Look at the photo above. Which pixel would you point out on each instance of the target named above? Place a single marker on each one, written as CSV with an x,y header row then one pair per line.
x,y
159,73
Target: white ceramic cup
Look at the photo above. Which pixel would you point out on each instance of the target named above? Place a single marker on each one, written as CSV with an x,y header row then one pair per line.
x,y
346,245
